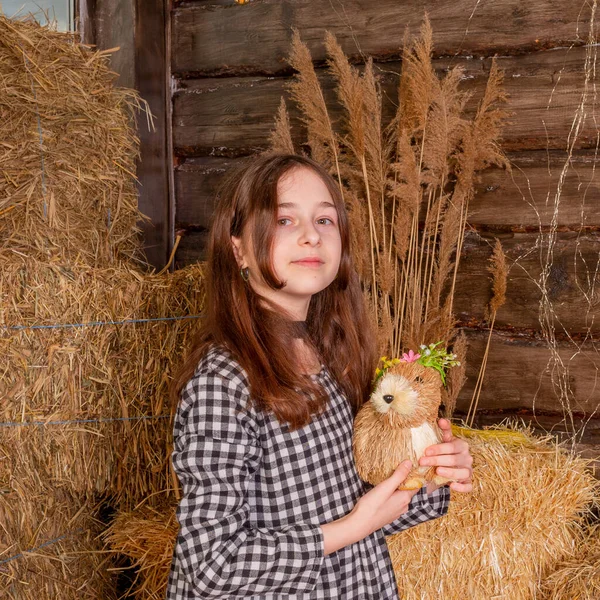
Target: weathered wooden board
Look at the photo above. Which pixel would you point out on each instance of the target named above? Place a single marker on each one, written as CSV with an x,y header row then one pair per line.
x,y
255,37
518,375
573,284
196,183
521,200
151,63
540,187
575,270
233,116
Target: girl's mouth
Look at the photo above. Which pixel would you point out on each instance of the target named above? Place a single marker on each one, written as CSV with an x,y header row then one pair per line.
x,y
309,262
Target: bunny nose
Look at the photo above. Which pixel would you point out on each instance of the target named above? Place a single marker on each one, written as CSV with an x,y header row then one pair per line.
x,y
388,398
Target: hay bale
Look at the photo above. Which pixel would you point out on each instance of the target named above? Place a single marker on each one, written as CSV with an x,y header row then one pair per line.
x,y
526,514
67,150
578,576
89,339
103,390
49,548
147,536
63,388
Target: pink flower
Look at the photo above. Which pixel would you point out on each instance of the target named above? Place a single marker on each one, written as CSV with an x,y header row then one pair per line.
x,y
410,357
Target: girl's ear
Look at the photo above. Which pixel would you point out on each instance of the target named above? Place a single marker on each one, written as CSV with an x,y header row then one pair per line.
x,y
236,243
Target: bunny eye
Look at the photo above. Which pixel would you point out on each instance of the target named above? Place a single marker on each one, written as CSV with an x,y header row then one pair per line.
x,y
419,379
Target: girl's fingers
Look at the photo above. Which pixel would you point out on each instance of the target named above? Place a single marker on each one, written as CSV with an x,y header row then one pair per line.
x,y
456,446
397,477
461,487
446,429
447,460
461,474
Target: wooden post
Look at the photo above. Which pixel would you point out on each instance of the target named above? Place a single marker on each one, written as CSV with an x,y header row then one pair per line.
x,y
140,29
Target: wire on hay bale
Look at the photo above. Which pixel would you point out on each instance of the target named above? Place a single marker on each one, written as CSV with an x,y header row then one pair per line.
x,y
579,575
102,390
49,548
526,513
67,151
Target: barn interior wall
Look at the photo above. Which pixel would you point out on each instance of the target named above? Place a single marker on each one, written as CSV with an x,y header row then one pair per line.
x,y
228,74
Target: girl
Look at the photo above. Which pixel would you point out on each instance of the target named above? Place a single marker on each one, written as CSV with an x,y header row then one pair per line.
x,y
272,505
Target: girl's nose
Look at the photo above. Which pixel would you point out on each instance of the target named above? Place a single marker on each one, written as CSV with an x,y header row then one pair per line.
x,y
310,234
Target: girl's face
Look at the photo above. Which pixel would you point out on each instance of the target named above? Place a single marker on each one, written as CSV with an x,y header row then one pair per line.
x,y
307,246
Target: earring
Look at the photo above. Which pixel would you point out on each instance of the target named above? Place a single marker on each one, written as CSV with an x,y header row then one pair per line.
x,y
245,273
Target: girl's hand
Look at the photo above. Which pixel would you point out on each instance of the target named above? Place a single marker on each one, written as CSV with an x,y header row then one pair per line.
x,y
382,504
452,459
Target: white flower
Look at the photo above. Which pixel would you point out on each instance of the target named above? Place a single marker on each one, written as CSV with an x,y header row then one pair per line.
x,y
427,352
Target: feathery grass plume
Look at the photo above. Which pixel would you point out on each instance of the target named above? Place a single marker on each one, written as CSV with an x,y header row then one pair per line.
x,y
280,139
416,82
488,122
418,168
446,127
456,377
405,191
478,150
352,92
306,91
498,267
499,270
358,217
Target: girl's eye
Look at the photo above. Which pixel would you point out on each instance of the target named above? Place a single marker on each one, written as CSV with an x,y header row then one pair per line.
x,y
322,219
282,221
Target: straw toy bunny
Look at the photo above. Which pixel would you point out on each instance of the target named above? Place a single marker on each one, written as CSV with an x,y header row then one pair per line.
x,y
400,419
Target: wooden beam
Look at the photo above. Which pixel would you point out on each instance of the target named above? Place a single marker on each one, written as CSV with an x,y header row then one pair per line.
x,y
505,202
139,28
255,37
522,374
152,74
234,116
572,281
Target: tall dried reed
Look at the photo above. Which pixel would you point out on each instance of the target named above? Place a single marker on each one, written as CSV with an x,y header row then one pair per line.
x,y
407,184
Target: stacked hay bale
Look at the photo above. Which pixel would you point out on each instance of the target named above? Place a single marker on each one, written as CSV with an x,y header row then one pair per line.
x,y
526,516
89,338
527,512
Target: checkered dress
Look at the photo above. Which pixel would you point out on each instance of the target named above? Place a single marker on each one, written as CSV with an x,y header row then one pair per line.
x,y
254,494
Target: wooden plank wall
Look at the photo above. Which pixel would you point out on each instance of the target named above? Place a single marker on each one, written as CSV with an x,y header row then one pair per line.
x,y
229,72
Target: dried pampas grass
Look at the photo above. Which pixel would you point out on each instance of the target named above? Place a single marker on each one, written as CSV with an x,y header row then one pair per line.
x,y
526,514
407,184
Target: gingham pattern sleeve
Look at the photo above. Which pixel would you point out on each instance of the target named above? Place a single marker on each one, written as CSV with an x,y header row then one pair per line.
x,y
423,507
215,454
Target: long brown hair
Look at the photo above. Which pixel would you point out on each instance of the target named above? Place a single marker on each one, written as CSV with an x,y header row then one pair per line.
x,y
255,331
